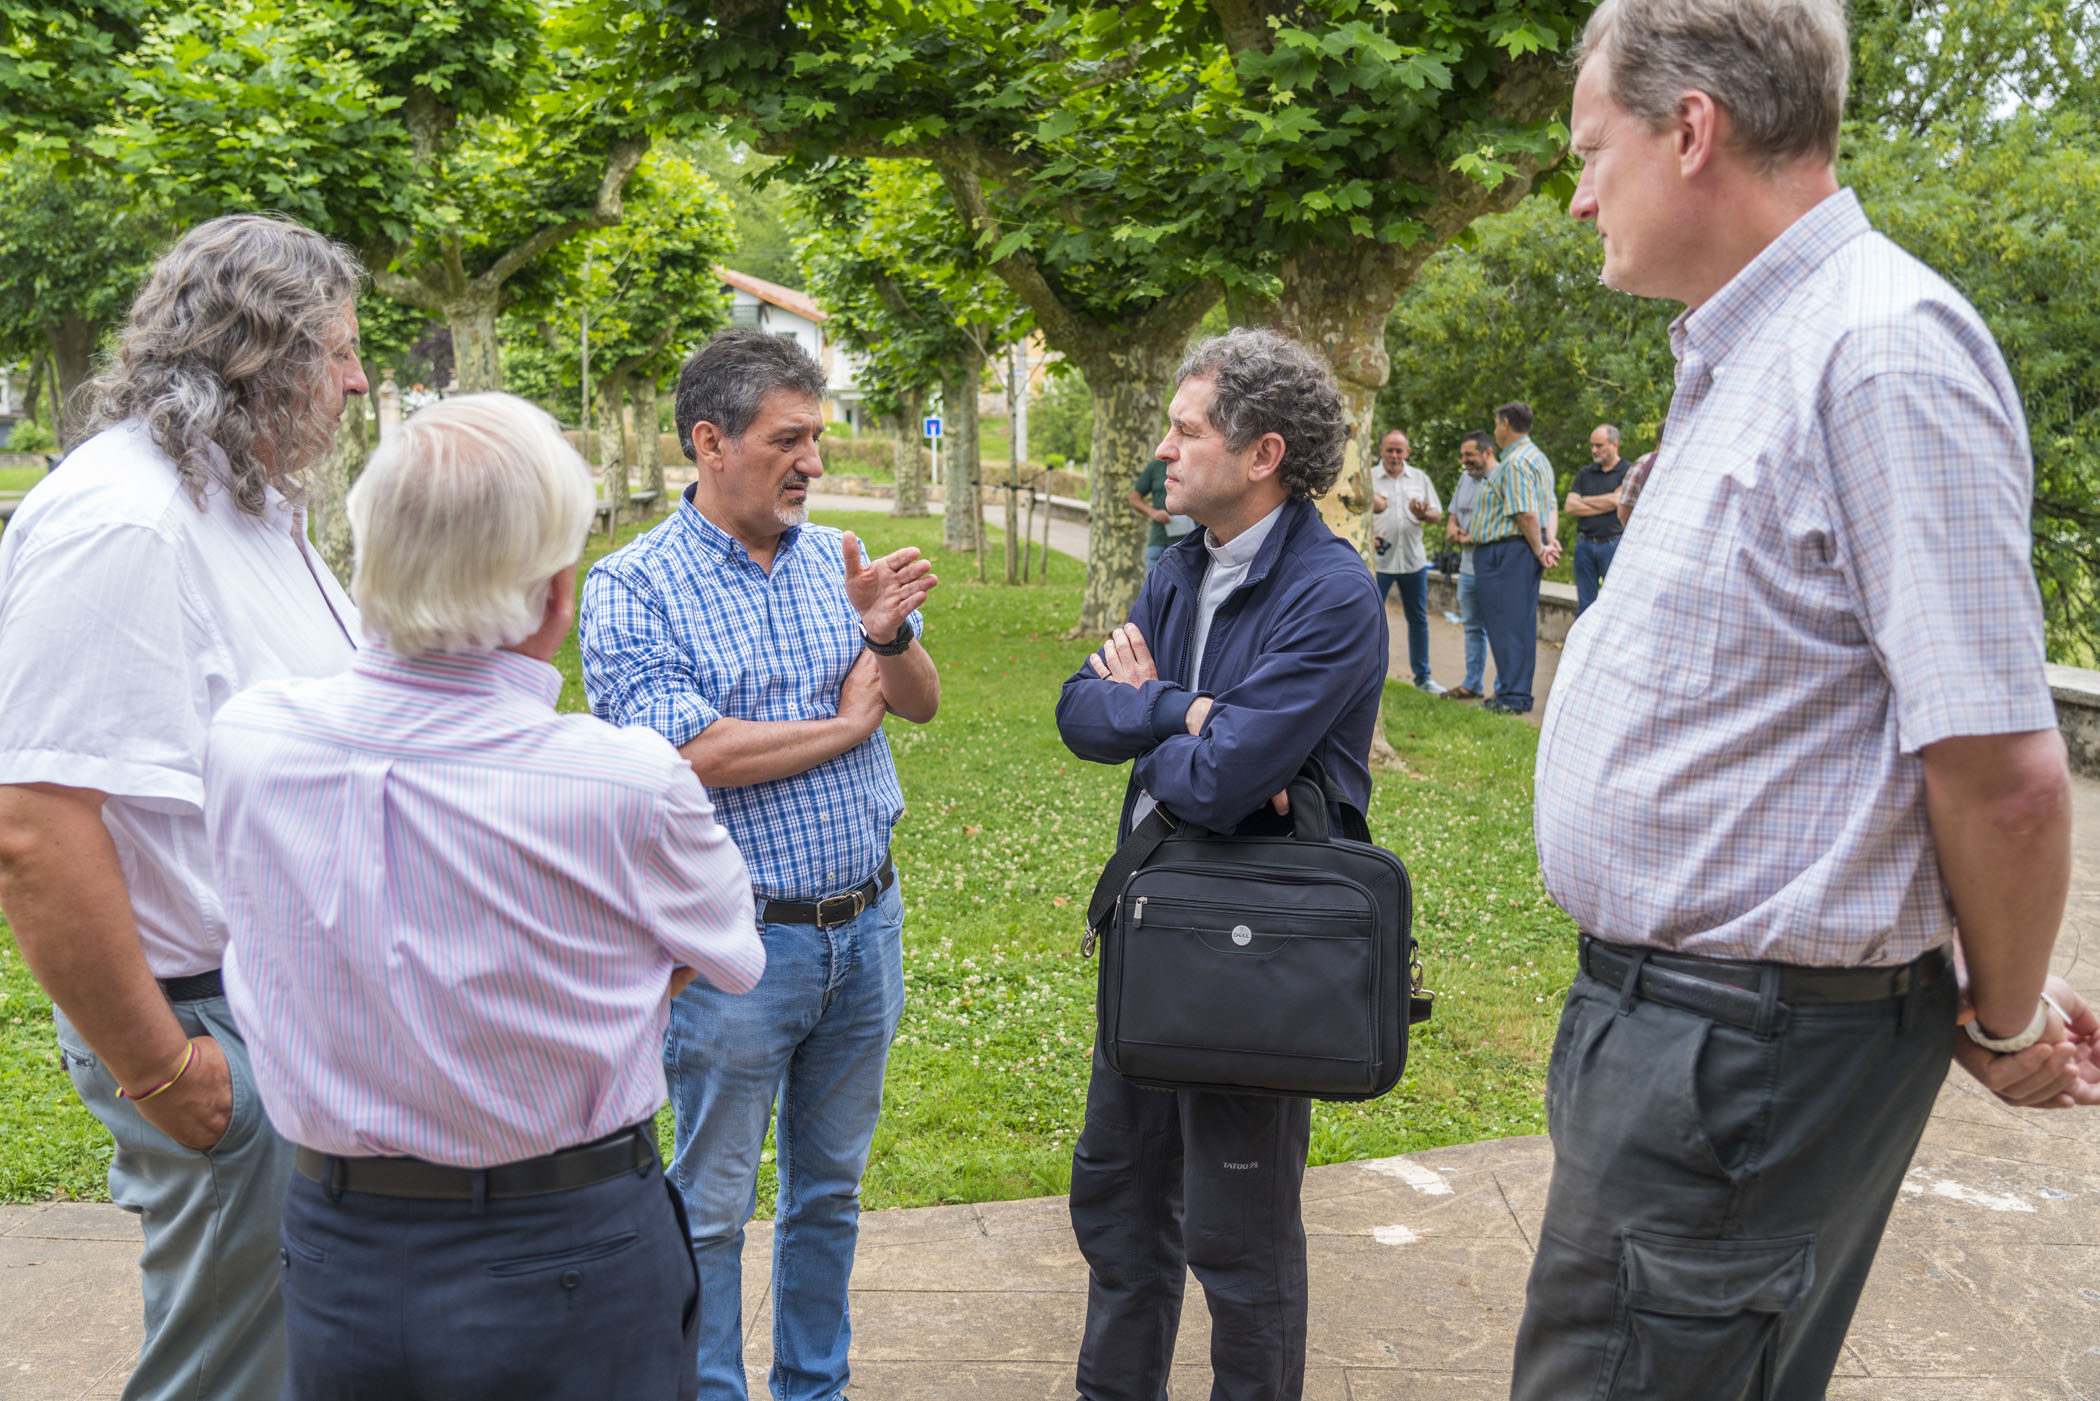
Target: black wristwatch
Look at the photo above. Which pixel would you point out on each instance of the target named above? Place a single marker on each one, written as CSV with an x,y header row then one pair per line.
x,y
895,647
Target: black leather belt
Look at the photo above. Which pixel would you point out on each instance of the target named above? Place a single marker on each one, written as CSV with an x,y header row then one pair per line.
x,y
197,987
630,1150
832,909
1737,992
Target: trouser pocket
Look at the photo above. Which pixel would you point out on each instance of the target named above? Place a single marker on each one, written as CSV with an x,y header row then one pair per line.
x,y
1699,1318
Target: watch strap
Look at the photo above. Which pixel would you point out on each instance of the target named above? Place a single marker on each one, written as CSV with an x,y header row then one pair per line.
x,y
896,646
2009,1045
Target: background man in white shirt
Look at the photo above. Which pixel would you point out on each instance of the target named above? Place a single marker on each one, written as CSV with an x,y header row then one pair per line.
x,y
1404,499
163,568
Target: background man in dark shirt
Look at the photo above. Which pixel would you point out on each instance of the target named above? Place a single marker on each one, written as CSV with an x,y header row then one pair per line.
x,y
1149,499
1596,500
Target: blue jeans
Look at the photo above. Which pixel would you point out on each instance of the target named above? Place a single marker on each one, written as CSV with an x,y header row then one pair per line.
x,y
214,1320
1152,554
1476,635
1592,563
1414,602
815,1033
587,1292
1506,580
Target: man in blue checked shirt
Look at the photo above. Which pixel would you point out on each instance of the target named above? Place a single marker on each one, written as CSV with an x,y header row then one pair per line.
x,y
768,650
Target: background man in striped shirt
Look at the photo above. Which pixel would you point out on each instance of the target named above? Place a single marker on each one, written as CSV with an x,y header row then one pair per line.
x,y
768,649
1810,711
456,921
1514,544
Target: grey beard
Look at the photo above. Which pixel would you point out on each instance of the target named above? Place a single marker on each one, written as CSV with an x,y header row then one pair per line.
x,y
792,516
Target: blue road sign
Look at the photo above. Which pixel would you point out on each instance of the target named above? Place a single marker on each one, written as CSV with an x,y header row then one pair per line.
x,y
933,425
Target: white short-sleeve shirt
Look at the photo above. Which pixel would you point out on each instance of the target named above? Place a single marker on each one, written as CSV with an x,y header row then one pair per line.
x,y
128,616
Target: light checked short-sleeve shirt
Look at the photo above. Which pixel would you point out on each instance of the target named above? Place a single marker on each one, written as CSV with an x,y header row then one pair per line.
x,y
682,627
1520,484
128,616
454,913
1829,571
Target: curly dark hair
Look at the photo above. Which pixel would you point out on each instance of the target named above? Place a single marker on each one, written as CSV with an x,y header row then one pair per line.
x,y
1264,382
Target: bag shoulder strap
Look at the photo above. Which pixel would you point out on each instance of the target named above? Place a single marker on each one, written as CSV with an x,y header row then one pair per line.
x,y
1136,850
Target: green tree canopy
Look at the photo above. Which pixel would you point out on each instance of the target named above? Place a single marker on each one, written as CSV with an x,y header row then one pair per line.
x,y
74,246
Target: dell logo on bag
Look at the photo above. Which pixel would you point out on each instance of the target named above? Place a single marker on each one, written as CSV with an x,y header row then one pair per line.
x,y
1242,935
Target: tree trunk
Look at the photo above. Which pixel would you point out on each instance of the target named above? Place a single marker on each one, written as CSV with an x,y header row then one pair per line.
x,y
963,517
612,444
477,364
329,484
1336,301
72,343
911,456
1132,384
649,461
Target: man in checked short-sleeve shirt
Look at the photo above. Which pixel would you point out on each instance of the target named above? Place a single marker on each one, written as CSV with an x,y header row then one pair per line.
x,y
768,649
1811,711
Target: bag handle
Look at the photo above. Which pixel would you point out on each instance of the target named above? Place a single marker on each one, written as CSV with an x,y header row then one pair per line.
x,y
1311,791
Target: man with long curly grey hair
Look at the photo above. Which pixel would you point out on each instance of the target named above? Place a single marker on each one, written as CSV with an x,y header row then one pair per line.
x,y
1257,643
161,569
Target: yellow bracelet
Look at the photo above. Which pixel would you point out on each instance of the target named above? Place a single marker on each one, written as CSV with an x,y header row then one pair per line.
x,y
163,1089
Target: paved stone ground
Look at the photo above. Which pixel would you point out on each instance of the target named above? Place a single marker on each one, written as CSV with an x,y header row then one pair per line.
x,y
1987,1287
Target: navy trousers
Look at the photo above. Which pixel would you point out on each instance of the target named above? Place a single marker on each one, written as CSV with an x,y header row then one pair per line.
x,y
1506,584
1163,1180
1592,563
590,1292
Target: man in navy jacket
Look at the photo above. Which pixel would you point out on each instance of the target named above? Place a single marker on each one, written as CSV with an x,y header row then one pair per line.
x,y
1258,641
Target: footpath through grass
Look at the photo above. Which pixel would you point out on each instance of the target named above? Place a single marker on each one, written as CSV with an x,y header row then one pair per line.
x,y
999,847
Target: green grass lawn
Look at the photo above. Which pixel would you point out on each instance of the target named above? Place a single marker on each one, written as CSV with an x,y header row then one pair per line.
x,y
20,478
998,849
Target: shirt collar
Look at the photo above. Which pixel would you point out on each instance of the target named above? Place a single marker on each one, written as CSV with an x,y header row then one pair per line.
x,y
493,672
1715,327
1241,549
719,542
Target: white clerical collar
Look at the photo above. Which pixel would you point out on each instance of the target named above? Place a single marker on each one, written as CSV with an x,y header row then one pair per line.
x,y
1243,547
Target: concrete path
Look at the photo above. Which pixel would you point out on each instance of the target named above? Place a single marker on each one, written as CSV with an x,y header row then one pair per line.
x,y
1066,537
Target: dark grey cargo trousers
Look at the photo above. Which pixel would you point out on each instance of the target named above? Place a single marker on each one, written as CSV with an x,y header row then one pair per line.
x,y
1718,1195
1163,1180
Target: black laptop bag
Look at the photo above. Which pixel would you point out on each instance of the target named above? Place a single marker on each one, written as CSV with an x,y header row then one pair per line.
x,y
1265,965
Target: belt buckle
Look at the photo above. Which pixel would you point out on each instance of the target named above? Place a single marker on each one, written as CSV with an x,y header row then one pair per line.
x,y
854,900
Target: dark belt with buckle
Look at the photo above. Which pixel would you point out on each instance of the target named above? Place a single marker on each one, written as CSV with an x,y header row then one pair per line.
x,y
1735,992
197,987
832,909
631,1149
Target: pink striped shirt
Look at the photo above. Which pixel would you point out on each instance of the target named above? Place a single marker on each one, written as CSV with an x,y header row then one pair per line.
x,y
452,913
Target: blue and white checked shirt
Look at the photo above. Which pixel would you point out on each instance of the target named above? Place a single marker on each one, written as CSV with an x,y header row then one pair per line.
x,y
1829,571
682,627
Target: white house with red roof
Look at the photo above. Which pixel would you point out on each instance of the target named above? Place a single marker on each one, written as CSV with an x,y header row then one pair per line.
x,y
792,315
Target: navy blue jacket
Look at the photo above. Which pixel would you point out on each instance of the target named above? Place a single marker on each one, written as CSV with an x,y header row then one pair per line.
x,y
1295,666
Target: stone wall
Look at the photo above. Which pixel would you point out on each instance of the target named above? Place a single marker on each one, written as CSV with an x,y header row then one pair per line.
x,y
2078,715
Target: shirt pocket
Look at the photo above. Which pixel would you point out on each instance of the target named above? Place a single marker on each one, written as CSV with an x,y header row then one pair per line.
x,y
1663,629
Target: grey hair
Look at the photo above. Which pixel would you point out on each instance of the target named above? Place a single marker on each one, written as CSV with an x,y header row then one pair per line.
x,y
1611,431
226,348
461,521
725,381
1777,67
1264,382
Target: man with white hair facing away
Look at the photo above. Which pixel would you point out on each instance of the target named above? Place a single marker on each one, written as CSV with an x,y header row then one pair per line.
x,y
161,570
1811,712
456,923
